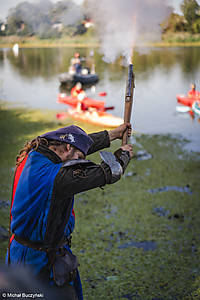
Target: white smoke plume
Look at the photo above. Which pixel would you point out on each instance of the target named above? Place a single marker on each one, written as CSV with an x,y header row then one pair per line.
x,y
41,14
72,15
124,24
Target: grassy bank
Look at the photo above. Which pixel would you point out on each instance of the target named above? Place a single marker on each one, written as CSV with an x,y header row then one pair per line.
x,y
29,42
132,241
168,40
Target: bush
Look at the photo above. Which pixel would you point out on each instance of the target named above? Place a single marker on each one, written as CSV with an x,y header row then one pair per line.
x,y
196,26
190,9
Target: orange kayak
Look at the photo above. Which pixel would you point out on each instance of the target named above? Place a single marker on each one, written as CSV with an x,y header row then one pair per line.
x,y
96,118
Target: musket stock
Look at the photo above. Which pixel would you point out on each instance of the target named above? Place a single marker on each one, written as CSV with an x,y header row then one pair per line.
x,y
128,101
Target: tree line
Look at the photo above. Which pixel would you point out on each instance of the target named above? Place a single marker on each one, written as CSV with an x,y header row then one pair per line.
x,y
47,20
189,21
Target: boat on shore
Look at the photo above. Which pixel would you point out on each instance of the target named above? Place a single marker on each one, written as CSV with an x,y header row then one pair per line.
x,y
100,118
94,111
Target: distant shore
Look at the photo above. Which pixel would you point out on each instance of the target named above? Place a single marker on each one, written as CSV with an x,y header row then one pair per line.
x,y
172,40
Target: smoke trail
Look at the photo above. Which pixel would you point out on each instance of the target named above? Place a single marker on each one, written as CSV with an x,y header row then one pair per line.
x,y
34,14
123,24
41,14
72,14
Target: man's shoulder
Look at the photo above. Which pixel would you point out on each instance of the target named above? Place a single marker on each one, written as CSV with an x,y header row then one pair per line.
x,y
74,162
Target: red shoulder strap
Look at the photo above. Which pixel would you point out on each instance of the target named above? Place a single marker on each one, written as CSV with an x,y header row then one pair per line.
x,y
17,175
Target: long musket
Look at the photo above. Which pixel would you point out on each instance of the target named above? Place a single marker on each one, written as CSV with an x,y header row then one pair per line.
x,y
128,101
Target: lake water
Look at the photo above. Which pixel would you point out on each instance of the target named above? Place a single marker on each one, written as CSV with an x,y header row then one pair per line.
x,y
31,79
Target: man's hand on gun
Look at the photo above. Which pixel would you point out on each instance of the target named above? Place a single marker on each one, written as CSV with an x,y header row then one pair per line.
x,y
118,132
128,148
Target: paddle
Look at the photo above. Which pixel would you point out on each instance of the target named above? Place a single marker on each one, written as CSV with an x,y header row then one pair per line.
x,y
103,94
108,108
183,109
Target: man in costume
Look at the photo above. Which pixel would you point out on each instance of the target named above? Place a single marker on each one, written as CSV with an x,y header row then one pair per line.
x,y
76,63
50,170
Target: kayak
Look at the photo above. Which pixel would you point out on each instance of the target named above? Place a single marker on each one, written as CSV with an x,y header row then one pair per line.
x,y
185,100
82,78
196,107
73,101
96,118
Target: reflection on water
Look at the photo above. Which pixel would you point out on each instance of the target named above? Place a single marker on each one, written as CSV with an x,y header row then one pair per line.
x,y
32,80
47,62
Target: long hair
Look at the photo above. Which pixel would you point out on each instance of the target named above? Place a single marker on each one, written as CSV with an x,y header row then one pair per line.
x,y
33,145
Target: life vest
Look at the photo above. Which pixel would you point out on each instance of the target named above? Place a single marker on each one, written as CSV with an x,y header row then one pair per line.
x,y
75,92
193,94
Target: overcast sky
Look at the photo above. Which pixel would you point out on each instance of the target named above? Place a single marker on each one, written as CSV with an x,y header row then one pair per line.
x,y
6,4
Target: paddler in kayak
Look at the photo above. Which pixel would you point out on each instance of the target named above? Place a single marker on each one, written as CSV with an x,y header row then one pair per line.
x,y
50,170
78,93
193,93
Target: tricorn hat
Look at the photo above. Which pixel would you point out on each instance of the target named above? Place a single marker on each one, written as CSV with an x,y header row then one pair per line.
x,y
72,135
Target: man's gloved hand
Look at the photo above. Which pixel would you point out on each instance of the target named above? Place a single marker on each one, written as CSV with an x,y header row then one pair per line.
x,y
128,148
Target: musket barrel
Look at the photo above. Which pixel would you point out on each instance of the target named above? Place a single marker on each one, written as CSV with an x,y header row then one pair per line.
x,y
128,101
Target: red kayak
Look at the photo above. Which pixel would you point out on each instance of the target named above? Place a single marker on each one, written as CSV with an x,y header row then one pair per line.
x,y
185,100
88,102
